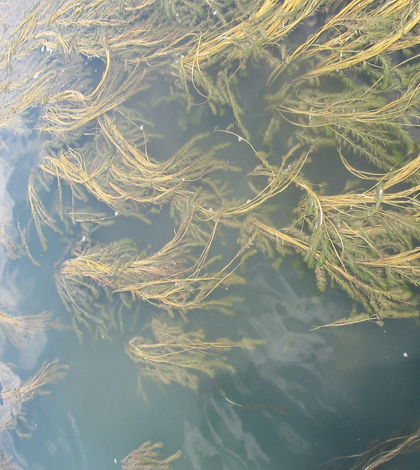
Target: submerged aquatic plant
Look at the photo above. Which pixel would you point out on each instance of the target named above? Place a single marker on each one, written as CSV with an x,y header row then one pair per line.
x,y
14,250
147,457
177,278
177,356
18,328
117,169
373,96
48,373
360,242
382,451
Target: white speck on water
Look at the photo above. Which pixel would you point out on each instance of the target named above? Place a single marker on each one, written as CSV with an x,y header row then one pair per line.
x,y
214,12
248,201
239,139
115,460
405,354
141,127
117,213
83,238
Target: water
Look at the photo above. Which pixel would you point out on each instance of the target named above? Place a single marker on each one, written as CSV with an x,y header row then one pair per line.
x,y
340,388
305,397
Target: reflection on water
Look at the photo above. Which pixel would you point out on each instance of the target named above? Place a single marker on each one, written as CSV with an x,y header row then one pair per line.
x,y
228,445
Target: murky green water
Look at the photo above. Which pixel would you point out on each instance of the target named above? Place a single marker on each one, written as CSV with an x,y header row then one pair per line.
x,y
305,397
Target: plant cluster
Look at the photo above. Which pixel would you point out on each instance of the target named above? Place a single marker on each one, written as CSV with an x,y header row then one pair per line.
x,y
339,79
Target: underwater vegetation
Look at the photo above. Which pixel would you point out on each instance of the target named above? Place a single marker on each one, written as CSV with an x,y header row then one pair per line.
x,y
338,80
350,88
379,453
146,457
15,392
48,373
172,279
18,328
176,356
